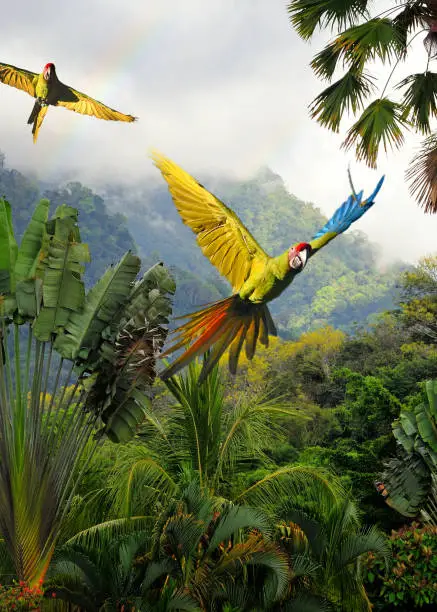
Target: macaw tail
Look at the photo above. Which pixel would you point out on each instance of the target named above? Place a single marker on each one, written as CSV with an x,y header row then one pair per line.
x,y
224,324
349,212
36,117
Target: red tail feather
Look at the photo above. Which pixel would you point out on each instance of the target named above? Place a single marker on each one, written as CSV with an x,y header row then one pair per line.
x,y
220,325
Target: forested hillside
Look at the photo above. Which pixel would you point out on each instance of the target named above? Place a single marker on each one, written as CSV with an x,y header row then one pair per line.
x,y
342,286
290,447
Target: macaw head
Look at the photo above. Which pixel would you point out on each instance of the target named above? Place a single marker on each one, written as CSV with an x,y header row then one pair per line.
x,y
48,70
298,256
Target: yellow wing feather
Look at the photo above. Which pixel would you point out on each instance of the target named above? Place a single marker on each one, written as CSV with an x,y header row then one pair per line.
x,y
220,233
18,78
81,103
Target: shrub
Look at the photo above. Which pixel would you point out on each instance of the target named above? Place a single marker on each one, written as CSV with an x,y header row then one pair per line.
x,y
20,596
412,577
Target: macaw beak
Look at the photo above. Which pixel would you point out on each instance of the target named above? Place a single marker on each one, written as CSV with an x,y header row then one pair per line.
x,y
47,74
298,259
303,257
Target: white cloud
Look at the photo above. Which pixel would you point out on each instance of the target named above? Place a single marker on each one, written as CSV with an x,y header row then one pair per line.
x,y
222,87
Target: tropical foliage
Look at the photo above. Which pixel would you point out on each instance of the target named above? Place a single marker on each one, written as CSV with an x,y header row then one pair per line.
x,y
95,353
365,34
410,480
248,493
411,581
345,286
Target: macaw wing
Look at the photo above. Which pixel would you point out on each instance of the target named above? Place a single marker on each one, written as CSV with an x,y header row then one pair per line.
x,y
349,212
81,103
220,234
19,78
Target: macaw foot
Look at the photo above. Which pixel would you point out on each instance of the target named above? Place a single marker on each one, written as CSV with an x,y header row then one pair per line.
x,y
42,101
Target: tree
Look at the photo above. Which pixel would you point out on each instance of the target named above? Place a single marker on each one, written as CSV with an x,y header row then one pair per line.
x,y
202,436
199,553
419,299
329,534
410,479
74,368
364,34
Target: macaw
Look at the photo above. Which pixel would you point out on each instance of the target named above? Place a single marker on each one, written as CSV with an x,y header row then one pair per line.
x,y
48,90
256,278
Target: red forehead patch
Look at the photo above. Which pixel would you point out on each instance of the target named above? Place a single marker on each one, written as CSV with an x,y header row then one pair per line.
x,y
301,246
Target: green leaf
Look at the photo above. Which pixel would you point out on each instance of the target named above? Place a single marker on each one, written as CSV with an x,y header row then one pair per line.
x,y
375,39
427,427
411,17
124,414
423,175
28,294
347,94
420,99
84,327
380,122
8,249
127,359
32,241
325,62
63,288
306,15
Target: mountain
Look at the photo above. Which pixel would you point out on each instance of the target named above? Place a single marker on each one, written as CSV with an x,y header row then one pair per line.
x,y
342,286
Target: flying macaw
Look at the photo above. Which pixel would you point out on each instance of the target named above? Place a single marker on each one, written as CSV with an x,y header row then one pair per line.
x,y
256,278
48,90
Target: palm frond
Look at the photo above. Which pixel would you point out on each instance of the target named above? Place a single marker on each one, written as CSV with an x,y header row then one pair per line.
x,y
374,39
307,603
422,175
420,99
380,123
101,536
346,94
307,15
236,518
289,482
356,545
412,16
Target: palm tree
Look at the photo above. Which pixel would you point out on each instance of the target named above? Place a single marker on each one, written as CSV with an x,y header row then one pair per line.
x,y
202,436
74,368
329,535
200,553
365,33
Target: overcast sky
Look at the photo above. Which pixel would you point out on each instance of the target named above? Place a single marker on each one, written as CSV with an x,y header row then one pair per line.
x,y
221,87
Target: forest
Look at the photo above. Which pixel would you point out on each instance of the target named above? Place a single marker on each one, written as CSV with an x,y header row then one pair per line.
x,y
276,477
305,480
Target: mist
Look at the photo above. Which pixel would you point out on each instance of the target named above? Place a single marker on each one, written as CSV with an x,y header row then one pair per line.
x,y
222,89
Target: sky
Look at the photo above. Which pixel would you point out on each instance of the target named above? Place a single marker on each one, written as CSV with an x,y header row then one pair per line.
x,y
222,88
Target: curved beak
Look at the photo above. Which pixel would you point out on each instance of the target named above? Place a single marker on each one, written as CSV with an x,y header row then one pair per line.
x,y
303,257
298,259
47,73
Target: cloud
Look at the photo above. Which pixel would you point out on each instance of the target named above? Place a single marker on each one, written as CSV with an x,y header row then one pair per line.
x,y
222,87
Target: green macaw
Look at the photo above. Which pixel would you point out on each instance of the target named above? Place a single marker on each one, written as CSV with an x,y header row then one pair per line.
x,y
256,277
49,91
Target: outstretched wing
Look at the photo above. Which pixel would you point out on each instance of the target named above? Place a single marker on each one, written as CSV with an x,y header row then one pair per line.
x,y
349,211
19,78
81,103
220,233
